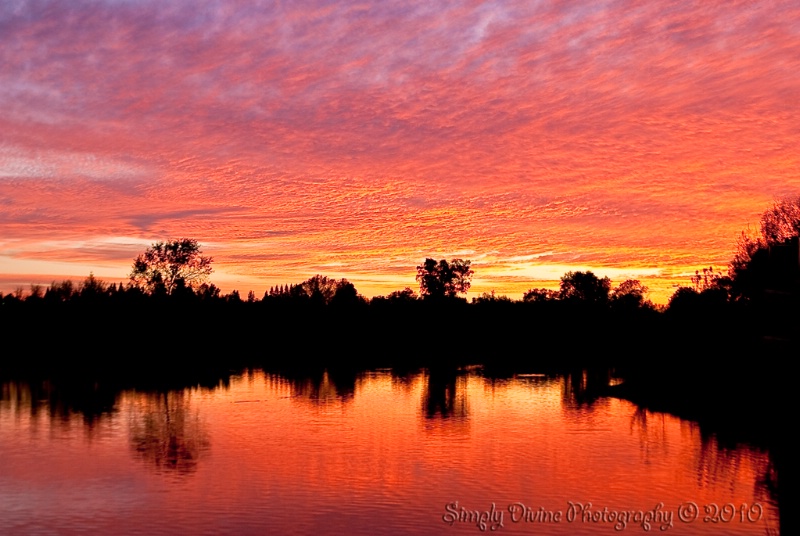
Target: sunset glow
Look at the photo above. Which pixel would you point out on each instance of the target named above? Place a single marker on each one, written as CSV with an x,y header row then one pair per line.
x,y
355,139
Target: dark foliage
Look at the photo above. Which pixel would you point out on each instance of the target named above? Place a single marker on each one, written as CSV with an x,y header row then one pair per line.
x,y
444,279
167,266
584,287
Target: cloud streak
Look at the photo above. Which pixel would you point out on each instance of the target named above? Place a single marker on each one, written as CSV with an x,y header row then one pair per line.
x,y
372,134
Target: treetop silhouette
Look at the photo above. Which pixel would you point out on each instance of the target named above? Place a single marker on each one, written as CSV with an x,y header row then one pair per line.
x,y
770,260
444,279
584,287
165,266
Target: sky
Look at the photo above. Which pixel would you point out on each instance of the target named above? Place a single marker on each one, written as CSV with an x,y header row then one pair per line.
x,y
355,139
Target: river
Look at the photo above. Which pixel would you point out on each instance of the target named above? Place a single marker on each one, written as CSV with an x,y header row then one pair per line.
x,y
377,452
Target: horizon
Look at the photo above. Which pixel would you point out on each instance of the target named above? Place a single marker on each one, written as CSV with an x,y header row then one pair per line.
x,y
355,140
45,281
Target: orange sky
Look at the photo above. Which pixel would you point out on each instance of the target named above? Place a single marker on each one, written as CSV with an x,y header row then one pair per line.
x,y
355,139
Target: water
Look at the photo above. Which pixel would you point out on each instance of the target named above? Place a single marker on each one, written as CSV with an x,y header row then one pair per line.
x,y
366,453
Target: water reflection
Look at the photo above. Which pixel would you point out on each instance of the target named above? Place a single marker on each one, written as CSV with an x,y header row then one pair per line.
x,y
445,394
317,385
585,386
60,400
775,485
166,432
717,464
651,428
402,379
361,446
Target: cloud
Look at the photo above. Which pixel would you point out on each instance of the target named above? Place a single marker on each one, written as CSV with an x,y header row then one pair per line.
x,y
356,132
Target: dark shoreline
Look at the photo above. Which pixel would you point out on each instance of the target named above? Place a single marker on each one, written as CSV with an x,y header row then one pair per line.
x,y
695,363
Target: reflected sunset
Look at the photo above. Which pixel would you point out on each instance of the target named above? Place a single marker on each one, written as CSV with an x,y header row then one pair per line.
x,y
356,139
272,451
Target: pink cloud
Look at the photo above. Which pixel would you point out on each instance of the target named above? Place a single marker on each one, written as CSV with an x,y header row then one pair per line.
x,y
295,135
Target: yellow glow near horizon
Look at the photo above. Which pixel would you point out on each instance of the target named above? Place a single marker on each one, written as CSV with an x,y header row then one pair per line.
x,y
357,142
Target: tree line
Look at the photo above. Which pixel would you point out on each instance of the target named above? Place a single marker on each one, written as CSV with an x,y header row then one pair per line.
x,y
765,268
439,281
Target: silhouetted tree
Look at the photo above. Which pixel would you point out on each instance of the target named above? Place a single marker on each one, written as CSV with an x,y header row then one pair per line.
x,y
320,289
60,292
208,292
345,295
402,296
37,293
584,287
707,279
630,294
399,299
164,264
491,297
769,261
92,288
689,300
781,222
540,295
443,279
